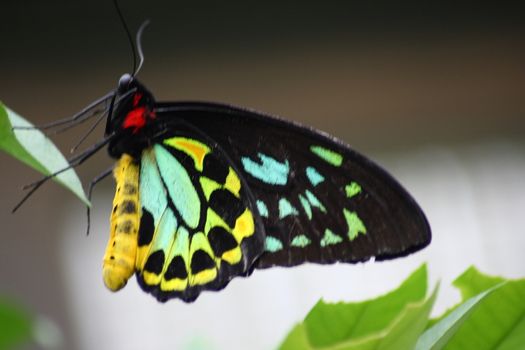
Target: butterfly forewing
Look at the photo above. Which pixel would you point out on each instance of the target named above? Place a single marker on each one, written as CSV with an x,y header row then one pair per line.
x,y
319,200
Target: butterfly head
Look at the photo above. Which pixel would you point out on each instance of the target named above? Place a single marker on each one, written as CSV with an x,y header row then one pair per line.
x,y
124,83
134,112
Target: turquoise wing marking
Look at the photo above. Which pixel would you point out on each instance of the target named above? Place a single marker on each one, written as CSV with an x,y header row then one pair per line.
x,y
180,188
151,189
314,176
270,170
165,233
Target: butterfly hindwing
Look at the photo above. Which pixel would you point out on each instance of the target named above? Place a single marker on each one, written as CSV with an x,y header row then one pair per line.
x,y
198,226
319,200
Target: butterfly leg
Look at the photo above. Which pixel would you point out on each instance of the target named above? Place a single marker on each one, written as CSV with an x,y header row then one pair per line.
x,y
90,191
73,162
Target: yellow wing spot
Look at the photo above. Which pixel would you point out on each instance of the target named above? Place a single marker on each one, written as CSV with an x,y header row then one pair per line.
x,y
176,284
142,254
151,278
233,184
203,277
195,149
232,256
244,226
119,259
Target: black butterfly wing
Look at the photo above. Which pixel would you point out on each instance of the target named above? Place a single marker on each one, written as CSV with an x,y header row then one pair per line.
x,y
319,200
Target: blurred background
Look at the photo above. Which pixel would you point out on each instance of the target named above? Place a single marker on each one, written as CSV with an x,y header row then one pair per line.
x,y
434,93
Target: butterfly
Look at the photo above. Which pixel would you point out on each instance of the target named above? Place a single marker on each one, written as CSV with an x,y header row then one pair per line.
x,y
206,192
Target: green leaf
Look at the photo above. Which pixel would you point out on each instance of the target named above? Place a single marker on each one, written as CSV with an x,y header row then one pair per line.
x,y
356,320
36,150
392,321
498,322
405,331
16,325
437,336
296,339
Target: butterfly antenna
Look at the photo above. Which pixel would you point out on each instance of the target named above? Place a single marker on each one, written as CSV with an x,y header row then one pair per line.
x,y
73,162
139,45
128,34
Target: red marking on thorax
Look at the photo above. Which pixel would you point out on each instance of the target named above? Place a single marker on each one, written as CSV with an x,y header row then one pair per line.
x,y
136,99
136,118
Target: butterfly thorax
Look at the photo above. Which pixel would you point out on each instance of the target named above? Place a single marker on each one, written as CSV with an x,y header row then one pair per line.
x,y
133,120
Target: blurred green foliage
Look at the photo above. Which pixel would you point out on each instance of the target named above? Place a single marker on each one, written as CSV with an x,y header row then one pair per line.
x,y
16,324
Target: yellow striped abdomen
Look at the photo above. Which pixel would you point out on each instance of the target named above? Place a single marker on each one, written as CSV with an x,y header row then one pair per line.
x,y
119,259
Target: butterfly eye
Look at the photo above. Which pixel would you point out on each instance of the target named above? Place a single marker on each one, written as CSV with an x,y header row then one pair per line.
x,y
124,83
